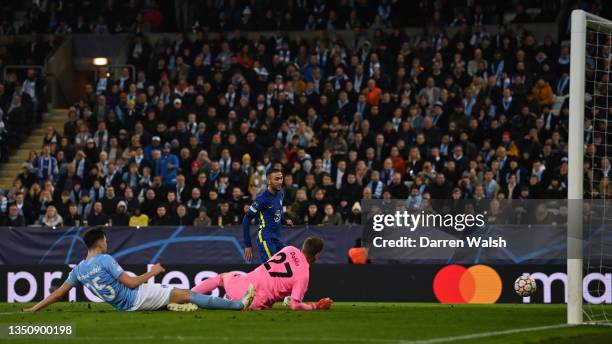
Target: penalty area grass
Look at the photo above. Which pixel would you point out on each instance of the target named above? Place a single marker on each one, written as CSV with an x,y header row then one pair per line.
x,y
346,322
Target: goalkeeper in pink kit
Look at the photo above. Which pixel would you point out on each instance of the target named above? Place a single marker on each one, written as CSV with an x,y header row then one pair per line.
x,y
285,274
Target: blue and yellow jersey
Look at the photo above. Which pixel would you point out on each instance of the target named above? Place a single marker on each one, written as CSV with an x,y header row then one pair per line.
x,y
268,210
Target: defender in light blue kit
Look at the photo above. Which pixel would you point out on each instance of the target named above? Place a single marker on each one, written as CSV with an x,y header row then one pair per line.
x,y
105,278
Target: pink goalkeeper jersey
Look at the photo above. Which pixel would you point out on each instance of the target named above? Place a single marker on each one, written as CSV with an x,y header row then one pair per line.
x,y
285,274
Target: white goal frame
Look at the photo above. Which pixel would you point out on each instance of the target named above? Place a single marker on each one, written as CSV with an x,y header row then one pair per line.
x,y
575,166
579,24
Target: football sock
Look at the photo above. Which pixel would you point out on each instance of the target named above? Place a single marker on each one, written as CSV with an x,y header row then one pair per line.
x,y
207,285
212,302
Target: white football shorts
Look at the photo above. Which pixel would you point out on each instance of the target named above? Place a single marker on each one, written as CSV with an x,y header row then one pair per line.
x,y
152,297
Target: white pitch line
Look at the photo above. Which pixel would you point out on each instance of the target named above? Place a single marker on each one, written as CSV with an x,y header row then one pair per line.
x,y
486,334
20,312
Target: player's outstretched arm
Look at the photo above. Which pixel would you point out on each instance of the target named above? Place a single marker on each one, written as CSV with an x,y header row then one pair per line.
x,y
323,304
135,282
246,235
300,306
55,296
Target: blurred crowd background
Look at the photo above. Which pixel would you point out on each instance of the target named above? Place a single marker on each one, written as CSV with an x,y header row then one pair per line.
x,y
476,114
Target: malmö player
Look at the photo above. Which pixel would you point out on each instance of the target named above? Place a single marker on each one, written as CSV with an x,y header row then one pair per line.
x,y
285,274
268,209
103,276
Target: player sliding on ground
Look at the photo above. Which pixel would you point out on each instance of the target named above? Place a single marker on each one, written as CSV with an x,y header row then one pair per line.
x,y
268,209
285,274
101,274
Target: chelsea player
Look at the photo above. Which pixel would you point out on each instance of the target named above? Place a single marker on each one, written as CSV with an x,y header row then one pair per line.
x,y
103,276
268,209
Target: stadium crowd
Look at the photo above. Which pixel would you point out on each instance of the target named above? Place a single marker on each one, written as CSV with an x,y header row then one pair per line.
x,y
61,17
189,141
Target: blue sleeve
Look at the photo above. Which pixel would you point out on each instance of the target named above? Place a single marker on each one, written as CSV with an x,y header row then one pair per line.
x,y
120,114
72,279
171,160
109,264
147,153
246,220
55,168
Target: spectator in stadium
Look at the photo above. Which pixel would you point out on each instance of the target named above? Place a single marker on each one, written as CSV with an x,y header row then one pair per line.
x,y
51,136
46,165
120,216
202,220
110,200
225,216
62,204
170,163
330,217
24,207
139,219
354,217
542,92
395,115
313,217
195,203
13,218
72,219
183,216
161,218
52,219
97,217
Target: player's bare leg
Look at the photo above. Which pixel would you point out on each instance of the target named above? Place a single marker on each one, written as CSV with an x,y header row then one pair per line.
x,y
182,300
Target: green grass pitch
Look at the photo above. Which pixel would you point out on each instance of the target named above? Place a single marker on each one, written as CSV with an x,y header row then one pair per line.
x,y
377,323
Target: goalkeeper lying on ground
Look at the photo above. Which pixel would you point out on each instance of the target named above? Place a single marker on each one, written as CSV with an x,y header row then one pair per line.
x,y
285,274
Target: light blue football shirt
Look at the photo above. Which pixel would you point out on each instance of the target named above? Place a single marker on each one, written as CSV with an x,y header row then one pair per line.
x,y
100,275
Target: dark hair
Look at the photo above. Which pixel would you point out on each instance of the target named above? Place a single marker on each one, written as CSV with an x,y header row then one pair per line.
x,y
273,170
92,236
312,246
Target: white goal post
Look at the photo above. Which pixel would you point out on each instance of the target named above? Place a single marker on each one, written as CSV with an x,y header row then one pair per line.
x,y
589,58
575,164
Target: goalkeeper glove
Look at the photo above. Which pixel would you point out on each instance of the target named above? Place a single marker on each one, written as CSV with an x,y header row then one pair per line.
x,y
324,304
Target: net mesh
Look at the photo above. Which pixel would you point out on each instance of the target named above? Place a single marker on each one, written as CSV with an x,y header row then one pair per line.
x,y
597,167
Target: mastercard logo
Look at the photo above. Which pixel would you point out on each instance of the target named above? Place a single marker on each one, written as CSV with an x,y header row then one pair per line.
x,y
476,284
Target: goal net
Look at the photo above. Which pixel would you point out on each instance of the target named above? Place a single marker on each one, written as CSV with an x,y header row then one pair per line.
x,y
590,171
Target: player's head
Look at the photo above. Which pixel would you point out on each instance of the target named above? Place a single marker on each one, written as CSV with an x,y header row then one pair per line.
x,y
95,239
275,179
312,248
